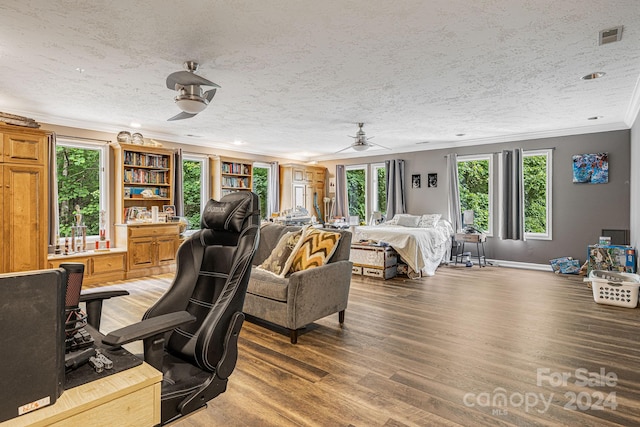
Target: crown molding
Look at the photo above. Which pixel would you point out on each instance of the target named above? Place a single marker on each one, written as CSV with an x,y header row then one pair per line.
x,y
634,106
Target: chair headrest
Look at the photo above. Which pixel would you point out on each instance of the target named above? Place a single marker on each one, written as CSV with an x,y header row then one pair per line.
x,y
229,213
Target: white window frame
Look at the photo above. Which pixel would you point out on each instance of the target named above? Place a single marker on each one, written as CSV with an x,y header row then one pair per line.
x,y
267,166
204,176
103,183
365,168
549,154
488,157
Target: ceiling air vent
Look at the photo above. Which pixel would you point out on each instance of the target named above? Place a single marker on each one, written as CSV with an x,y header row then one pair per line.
x,y
610,35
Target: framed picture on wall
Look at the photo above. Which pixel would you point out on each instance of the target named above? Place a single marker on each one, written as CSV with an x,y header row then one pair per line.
x,y
432,180
591,168
415,181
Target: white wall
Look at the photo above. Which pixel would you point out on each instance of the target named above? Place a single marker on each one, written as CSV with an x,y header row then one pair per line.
x,y
634,179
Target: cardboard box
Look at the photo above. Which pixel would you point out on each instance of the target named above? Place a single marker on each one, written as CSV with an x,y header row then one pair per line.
x,y
611,258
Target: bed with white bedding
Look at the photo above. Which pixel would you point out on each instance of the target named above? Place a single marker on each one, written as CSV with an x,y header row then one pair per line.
x,y
423,243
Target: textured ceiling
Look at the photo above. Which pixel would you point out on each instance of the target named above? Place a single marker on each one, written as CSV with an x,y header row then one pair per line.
x,y
297,76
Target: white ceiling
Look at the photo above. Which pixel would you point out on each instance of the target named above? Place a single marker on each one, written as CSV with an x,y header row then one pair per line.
x,y
297,76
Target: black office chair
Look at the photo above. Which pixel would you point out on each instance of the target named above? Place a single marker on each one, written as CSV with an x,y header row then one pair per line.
x,y
191,332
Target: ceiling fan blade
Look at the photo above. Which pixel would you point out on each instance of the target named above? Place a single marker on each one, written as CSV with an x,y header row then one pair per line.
x,y
378,145
344,149
181,116
186,78
208,95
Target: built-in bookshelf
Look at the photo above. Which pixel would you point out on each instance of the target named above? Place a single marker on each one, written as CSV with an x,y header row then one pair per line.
x,y
230,175
146,179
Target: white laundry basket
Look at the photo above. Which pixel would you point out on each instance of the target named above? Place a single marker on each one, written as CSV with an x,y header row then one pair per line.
x,y
614,288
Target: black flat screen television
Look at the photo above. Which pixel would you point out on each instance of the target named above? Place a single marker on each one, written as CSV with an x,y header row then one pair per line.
x,y
31,340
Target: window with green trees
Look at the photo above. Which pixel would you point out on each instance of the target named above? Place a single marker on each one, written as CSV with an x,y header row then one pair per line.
x,y
356,191
261,187
79,168
379,174
192,178
537,193
474,182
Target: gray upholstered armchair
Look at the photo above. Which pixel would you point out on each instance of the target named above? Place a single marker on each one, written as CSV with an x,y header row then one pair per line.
x,y
303,297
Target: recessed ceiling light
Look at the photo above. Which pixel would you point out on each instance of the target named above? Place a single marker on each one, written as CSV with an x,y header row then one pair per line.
x,y
238,142
594,75
594,118
135,125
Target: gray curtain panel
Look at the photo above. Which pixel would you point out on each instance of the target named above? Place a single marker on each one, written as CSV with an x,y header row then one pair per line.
x,y
396,203
342,203
178,192
53,190
455,215
273,202
512,215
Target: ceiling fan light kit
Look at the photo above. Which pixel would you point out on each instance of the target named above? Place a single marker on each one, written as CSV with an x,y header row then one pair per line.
x,y
361,142
190,98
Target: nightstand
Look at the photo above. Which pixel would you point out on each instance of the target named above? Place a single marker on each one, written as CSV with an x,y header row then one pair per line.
x,y
478,239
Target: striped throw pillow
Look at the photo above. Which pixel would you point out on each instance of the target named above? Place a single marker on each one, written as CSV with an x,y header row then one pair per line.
x,y
316,249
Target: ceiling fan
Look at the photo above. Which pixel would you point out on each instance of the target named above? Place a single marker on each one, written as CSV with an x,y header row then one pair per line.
x,y
190,98
361,142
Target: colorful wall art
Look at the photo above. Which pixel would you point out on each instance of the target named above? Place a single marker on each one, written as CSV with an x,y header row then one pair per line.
x,y
591,168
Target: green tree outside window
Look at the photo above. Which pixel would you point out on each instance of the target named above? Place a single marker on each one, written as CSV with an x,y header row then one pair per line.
x,y
535,190
356,193
381,190
78,171
473,182
191,185
261,188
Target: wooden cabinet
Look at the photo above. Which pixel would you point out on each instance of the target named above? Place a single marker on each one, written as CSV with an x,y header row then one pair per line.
x,y
230,175
144,179
99,267
151,248
302,186
23,198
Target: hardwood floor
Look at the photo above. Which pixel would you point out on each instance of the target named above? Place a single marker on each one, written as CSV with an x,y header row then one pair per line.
x,y
466,347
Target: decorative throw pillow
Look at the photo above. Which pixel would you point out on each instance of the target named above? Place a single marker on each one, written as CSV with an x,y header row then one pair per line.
x,y
315,250
395,219
281,257
409,221
429,220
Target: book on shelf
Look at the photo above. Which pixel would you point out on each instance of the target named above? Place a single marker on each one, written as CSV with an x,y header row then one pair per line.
x,y
132,158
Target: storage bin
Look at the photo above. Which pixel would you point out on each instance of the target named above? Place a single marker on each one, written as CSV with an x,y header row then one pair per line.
x,y
383,273
620,289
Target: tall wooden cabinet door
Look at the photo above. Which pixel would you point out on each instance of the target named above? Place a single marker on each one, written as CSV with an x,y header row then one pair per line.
x,y
140,252
25,147
25,218
166,247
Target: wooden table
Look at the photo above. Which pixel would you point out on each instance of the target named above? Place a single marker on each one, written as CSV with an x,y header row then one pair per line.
x,y
128,398
478,239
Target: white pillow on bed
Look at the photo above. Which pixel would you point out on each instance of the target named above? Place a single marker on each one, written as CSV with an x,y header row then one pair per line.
x,y
429,220
409,221
394,220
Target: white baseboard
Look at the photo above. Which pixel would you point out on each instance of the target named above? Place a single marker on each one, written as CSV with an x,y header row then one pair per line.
x,y
517,264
